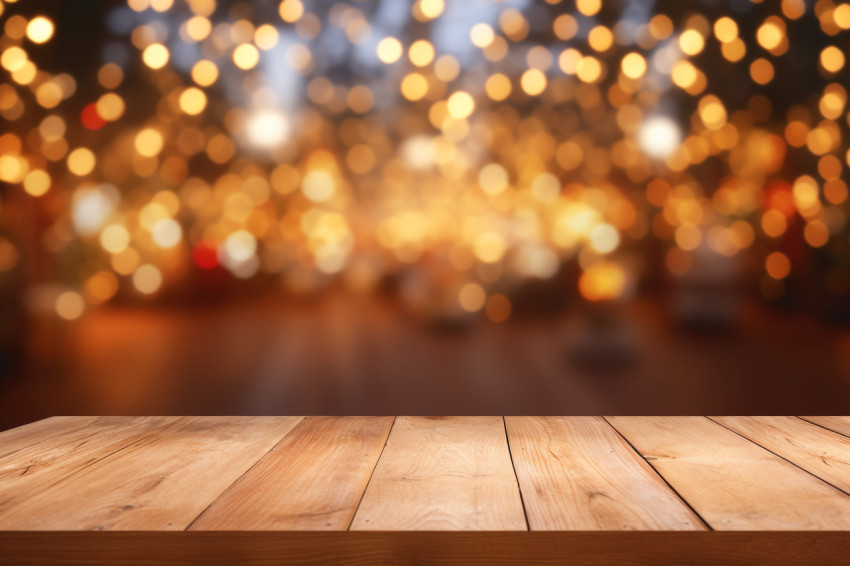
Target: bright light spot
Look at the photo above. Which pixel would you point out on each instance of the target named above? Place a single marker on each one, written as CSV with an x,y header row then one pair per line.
x,y
633,65
267,128
246,56
493,178
239,247
389,50
604,238
659,136
266,37
414,86
691,42
602,281
155,56
149,142
472,297
489,247
533,82
481,35
81,161
193,101
167,233
37,182
546,187
461,105
589,7
115,238
39,29
291,10
89,210
318,185
204,72
70,305
421,53
147,279
418,152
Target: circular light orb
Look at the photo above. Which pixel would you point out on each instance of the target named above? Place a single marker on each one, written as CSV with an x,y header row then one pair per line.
x,y
267,129
70,305
659,137
39,29
167,233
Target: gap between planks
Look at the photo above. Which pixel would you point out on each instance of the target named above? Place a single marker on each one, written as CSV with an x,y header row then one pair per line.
x,y
779,454
371,474
254,465
513,466
702,520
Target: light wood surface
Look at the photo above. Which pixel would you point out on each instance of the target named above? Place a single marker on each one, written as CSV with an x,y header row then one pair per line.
x,y
39,431
313,480
443,473
435,474
825,454
577,473
840,425
73,449
161,481
733,483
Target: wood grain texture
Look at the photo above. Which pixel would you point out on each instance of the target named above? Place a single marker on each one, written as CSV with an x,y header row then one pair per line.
x,y
841,425
27,472
443,473
27,435
313,480
159,481
822,452
732,483
577,473
387,548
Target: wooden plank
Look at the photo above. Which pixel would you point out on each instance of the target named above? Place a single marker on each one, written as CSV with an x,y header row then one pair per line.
x,y
425,548
313,480
577,473
161,480
732,483
443,473
822,452
841,425
15,439
28,471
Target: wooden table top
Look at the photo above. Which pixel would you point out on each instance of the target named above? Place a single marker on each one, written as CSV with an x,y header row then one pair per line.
x,y
426,474
358,491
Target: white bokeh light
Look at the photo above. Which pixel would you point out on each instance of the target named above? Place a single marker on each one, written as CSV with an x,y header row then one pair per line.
x,y
267,129
659,136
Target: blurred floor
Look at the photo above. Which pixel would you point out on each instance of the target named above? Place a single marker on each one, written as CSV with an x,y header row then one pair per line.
x,y
362,355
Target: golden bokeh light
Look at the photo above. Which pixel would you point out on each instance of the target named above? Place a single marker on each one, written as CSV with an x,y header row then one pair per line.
x,y
633,65
461,105
204,72
246,56
40,29
193,101
517,142
81,161
149,142
156,56
389,50
70,305
421,53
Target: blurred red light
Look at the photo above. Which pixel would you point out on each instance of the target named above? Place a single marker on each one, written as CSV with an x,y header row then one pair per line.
x,y
205,256
91,119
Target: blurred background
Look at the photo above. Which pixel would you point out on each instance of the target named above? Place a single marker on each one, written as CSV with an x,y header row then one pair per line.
x,y
423,207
